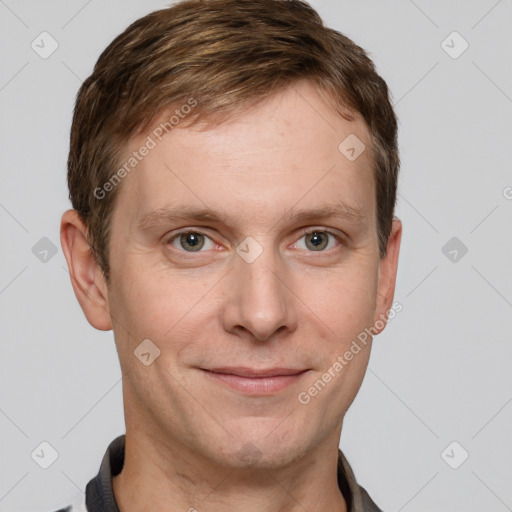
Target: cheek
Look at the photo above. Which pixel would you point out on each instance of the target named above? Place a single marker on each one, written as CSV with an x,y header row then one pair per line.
x,y
159,306
344,300
343,307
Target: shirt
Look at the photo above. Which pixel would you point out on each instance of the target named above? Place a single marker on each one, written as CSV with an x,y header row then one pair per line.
x,y
99,494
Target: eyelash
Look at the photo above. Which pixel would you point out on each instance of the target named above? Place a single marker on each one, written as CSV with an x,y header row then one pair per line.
x,y
309,231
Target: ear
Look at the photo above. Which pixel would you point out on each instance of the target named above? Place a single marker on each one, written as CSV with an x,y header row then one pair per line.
x,y
86,276
387,276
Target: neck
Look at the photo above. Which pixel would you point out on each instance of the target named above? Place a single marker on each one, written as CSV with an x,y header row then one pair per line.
x,y
156,476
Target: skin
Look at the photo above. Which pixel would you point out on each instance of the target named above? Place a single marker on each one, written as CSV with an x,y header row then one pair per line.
x,y
292,307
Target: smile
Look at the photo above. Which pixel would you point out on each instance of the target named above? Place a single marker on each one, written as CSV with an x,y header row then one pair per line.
x,y
256,382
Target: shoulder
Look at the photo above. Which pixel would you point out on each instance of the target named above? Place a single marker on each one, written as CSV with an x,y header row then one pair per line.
x,y
368,504
358,500
77,505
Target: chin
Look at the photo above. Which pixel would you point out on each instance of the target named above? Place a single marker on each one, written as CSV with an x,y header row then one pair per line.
x,y
266,443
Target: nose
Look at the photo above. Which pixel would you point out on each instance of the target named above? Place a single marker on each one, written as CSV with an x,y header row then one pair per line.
x,y
259,303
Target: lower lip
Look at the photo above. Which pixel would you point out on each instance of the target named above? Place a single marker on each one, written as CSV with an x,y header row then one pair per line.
x,y
256,385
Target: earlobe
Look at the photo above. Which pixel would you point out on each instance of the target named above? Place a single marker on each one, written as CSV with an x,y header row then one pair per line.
x,y
388,267
86,277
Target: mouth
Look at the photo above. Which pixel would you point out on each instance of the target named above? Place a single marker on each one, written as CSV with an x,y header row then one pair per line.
x,y
256,382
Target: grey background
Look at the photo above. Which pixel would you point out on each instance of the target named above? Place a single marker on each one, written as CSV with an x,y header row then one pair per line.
x,y
439,373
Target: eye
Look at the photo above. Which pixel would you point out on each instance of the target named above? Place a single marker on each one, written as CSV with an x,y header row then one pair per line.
x,y
191,241
317,240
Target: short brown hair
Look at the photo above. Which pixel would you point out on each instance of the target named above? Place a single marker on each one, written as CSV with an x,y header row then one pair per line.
x,y
227,55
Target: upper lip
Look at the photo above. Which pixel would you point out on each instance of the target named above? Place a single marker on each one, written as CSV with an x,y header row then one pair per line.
x,y
251,372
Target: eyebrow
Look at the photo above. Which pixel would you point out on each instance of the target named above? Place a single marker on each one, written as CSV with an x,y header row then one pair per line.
x,y
339,210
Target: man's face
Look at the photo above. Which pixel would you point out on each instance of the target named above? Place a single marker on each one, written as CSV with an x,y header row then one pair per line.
x,y
285,299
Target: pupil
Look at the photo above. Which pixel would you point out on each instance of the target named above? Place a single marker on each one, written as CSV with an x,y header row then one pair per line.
x,y
316,241
192,241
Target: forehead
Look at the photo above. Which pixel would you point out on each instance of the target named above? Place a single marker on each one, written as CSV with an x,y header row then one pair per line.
x,y
290,150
